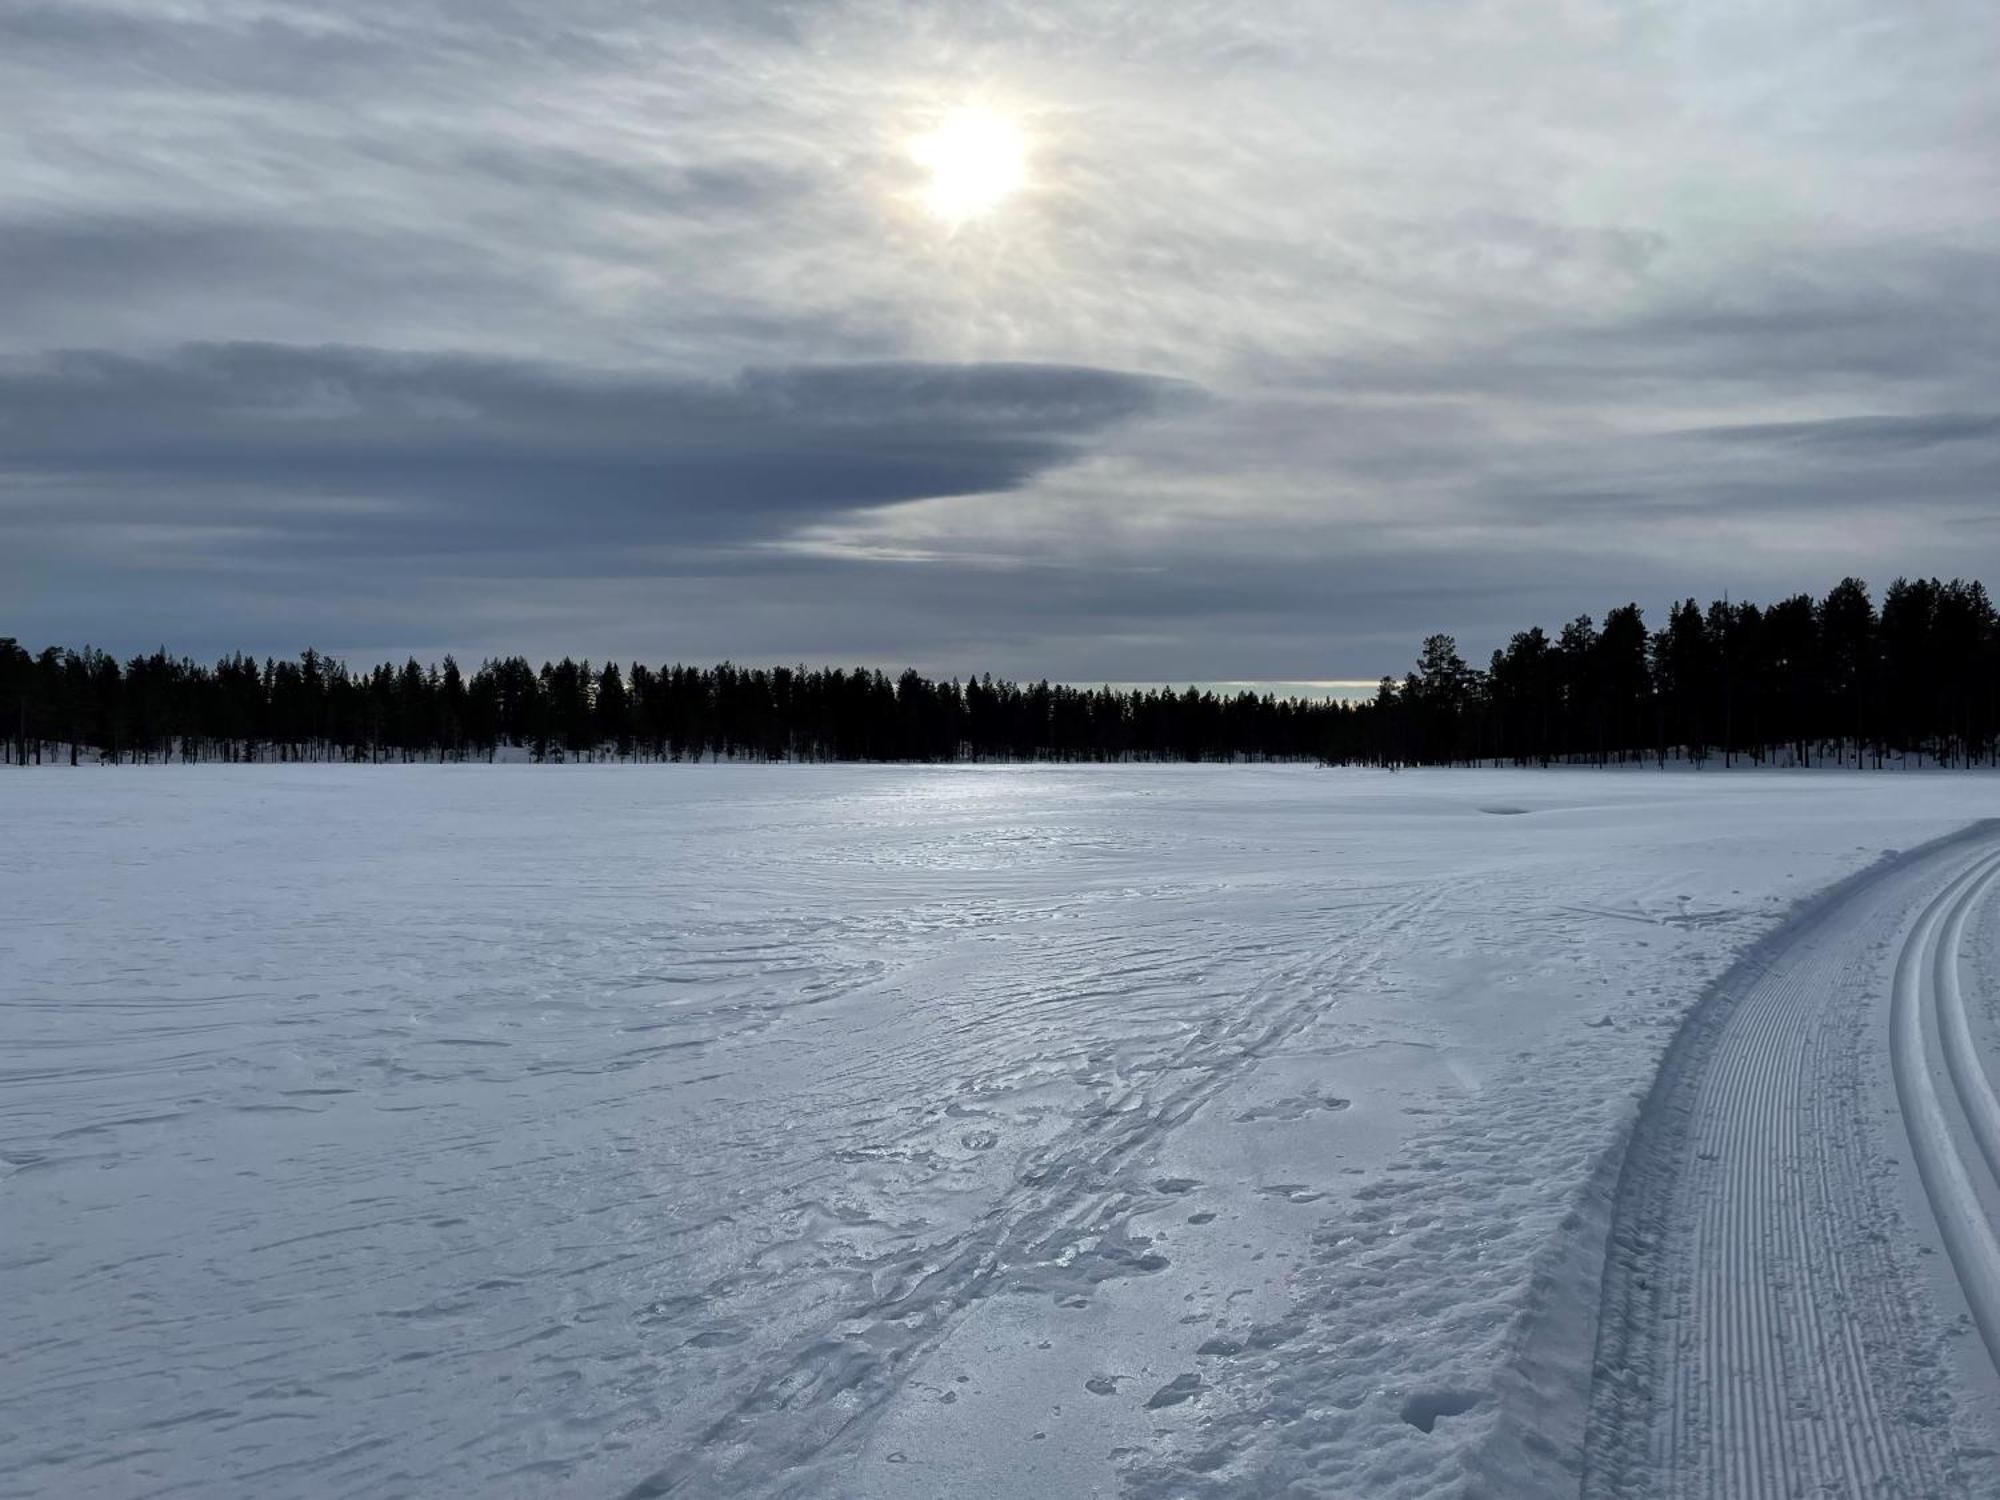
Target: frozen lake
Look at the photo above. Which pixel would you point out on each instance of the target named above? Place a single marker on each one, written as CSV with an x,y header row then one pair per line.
x,y
624,1131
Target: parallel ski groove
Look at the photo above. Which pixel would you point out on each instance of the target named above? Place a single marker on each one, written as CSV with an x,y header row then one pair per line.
x,y
1944,1166
1757,1326
830,1386
1975,1089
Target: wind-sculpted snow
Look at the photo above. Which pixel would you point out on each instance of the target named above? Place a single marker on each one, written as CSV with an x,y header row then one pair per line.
x,y
719,1131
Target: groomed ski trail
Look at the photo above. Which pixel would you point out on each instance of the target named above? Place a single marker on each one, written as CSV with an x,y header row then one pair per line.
x,y
1765,1330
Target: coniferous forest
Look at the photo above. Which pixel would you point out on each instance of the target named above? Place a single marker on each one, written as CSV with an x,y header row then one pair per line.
x,y
1799,682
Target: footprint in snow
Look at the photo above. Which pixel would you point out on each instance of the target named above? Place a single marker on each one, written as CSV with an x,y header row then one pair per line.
x,y
1296,1107
1424,1408
1174,1392
717,1338
1291,1192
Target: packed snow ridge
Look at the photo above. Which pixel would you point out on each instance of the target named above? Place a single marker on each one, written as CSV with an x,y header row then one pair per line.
x,y
1001,1131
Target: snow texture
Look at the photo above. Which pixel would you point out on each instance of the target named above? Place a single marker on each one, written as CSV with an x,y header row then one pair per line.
x,y
1765,1328
994,1131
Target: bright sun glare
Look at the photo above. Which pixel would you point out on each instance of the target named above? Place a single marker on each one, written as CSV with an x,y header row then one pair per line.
x,y
976,159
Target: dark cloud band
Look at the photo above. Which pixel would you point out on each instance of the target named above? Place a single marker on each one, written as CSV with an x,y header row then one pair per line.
x,y
402,451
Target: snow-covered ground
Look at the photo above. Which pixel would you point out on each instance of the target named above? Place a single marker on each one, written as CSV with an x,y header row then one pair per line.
x,y
905,1132
1778,1319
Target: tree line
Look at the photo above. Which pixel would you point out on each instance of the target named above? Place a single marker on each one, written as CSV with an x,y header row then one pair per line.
x,y
1800,682
1803,681
87,705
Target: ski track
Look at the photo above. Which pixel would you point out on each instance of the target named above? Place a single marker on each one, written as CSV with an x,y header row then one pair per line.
x,y
1162,1132
1763,1330
1062,1221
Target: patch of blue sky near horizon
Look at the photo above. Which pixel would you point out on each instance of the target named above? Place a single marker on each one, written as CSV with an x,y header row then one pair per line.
x,y
1475,323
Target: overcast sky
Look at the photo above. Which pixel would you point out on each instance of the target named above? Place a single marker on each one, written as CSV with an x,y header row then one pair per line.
x,y
615,328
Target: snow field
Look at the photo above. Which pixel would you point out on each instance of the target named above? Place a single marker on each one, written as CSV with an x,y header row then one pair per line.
x,y
853,1131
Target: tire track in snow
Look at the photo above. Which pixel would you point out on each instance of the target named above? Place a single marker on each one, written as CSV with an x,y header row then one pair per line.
x,y
1761,1330
1060,1226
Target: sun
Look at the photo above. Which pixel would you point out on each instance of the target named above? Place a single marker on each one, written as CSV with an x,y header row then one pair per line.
x,y
977,160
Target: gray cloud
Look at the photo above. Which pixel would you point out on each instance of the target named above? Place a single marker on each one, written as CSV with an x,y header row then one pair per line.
x,y
417,322
1825,321
1866,435
55,271
388,451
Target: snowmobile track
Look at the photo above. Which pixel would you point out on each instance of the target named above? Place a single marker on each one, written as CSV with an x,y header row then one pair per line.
x,y
1763,1328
